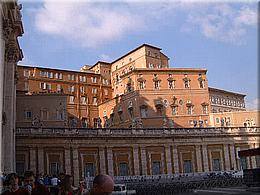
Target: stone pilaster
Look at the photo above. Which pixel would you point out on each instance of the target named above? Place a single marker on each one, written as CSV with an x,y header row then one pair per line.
x,y
40,160
102,160
110,164
198,158
33,160
75,161
67,158
205,158
136,160
168,159
233,157
226,157
175,159
143,161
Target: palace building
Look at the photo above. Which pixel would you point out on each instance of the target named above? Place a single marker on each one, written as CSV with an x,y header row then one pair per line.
x,y
133,116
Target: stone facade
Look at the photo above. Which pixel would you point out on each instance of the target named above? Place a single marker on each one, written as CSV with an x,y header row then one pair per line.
x,y
226,101
122,152
84,90
235,119
42,110
11,28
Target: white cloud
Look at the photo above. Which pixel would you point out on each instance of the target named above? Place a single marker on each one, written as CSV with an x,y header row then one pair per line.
x,y
254,104
222,22
105,57
90,24
95,23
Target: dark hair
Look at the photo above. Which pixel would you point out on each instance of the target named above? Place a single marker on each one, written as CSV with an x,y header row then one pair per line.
x,y
9,176
28,174
65,183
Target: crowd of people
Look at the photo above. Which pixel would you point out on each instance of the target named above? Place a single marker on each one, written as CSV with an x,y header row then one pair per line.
x,y
30,184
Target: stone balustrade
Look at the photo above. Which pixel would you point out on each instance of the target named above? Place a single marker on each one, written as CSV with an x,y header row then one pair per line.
x,y
135,132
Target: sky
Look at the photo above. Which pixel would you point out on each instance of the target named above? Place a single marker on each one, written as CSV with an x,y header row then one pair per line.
x,y
219,36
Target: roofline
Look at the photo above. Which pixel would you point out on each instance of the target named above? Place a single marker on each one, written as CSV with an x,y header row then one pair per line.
x,y
222,90
103,62
173,69
135,50
62,70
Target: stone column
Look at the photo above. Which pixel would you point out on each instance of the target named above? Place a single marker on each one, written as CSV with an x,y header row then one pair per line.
x,y
253,159
75,161
67,161
136,160
233,157
205,158
143,161
168,159
198,158
175,160
102,160
226,157
33,160
110,161
40,160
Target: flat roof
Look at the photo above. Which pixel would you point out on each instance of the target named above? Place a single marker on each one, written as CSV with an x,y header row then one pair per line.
x,y
135,50
224,91
55,69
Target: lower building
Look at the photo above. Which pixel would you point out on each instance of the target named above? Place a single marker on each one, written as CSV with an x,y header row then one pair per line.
x,y
122,152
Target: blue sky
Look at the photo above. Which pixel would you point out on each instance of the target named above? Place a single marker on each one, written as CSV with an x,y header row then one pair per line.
x,y
221,37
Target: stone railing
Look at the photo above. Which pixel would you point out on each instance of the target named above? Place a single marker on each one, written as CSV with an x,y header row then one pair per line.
x,y
135,132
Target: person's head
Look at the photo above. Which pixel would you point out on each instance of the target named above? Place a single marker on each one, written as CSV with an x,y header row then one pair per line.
x,y
29,178
12,179
102,185
67,182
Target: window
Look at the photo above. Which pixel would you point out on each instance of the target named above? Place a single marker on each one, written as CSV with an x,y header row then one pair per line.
x,y
186,84
48,86
151,65
190,110
54,168
44,114
143,111
156,84
71,100
243,162
94,79
216,165
71,89
159,110
141,85
94,90
60,75
156,167
217,120
159,66
171,84
58,88
60,115
26,86
174,110
105,91
26,73
204,109
43,85
123,169
28,114
94,100
83,100
201,82
50,75
84,122
82,89
90,170
187,166
56,75
131,112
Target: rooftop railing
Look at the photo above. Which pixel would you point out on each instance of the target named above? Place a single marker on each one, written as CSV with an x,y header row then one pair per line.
x,y
135,132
